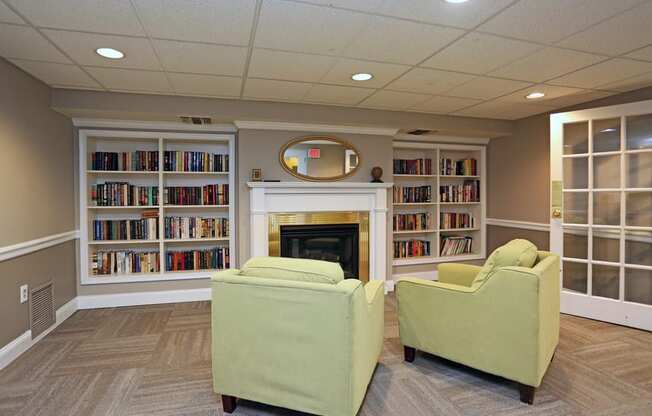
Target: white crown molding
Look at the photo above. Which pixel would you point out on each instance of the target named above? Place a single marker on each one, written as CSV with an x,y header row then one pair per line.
x,y
307,127
320,185
441,139
152,125
26,247
526,225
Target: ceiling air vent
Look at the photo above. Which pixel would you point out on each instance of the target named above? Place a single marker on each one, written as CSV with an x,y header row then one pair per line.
x,y
420,132
41,309
196,120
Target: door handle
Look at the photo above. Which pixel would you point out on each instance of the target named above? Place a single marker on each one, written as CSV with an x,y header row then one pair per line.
x,y
556,213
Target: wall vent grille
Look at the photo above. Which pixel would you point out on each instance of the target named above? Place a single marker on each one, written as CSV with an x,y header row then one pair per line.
x,y
196,120
420,132
41,308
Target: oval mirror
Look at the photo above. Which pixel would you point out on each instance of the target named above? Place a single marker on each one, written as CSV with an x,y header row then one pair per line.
x,y
319,158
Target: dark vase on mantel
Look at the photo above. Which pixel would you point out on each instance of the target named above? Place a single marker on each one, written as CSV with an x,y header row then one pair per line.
x,y
376,174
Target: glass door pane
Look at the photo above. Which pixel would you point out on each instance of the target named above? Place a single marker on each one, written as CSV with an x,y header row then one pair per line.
x,y
575,276
606,171
639,170
606,281
606,208
606,245
576,207
606,135
638,247
576,138
576,173
638,286
576,243
638,206
639,132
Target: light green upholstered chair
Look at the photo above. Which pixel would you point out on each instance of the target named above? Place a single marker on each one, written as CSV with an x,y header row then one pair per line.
x,y
502,318
293,333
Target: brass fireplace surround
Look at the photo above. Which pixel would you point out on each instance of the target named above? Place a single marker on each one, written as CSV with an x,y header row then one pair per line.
x,y
310,218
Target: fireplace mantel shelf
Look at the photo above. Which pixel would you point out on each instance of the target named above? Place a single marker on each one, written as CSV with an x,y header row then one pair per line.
x,y
289,184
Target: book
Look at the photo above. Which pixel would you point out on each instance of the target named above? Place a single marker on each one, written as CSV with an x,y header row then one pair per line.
x,y
412,222
140,160
178,161
127,229
456,220
413,166
117,262
411,248
123,194
193,260
463,167
469,191
410,194
456,245
216,194
195,227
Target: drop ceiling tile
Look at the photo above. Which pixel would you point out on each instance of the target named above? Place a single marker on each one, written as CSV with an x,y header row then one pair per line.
x,y
629,84
429,81
23,42
551,92
394,100
617,35
335,94
119,79
205,85
57,74
549,21
217,21
503,110
289,66
460,15
306,28
267,89
485,88
8,16
582,97
344,68
81,48
478,53
444,105
104,16
399,41
644,54
603,73
546,64
201,58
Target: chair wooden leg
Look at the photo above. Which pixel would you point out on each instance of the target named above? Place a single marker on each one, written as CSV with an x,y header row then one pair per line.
x,y
228,403
527,393
409,353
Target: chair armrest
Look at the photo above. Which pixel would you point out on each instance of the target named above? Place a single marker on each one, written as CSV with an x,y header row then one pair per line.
x,y
413,281
457,273
374,290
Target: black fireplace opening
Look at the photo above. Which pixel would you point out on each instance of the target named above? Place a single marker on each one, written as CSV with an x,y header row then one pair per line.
x,y
330,242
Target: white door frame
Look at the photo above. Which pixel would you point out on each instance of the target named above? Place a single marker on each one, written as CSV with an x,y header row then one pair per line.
x,y
585,304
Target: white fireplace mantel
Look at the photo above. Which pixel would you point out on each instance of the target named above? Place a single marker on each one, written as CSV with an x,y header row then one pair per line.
x,y
291,197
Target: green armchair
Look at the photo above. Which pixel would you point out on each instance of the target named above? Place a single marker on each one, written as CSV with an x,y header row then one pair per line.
x,y
293,333
502,318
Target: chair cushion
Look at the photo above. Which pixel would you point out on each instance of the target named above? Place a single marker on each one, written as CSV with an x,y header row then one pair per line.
x,y
285,268
517,252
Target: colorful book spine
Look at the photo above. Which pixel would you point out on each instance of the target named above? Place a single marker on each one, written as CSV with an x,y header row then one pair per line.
x,y
411,248
413,166
119,262
217,194
456,220
195,227
140,160
463,167
469,191
412,222
132,229
193,260
123,194
178,161
456,245
412,194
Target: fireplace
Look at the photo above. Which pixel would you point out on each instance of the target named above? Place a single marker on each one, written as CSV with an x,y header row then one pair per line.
x,y
341,237
330,242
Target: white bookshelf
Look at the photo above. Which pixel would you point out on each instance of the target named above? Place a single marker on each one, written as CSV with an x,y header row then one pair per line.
x,y
437,151
130,141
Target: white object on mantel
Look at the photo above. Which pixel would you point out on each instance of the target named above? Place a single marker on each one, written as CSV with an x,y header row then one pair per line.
x,y
291,197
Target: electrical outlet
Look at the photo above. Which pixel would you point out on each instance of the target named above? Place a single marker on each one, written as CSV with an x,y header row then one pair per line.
x,y
24,293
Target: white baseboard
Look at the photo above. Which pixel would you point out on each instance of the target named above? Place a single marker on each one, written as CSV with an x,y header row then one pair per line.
x,y
15,348
427,275
142,298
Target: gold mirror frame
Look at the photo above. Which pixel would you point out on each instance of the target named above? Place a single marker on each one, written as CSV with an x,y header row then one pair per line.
x,y
292,142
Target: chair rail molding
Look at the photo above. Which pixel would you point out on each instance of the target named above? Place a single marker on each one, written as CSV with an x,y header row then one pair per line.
x,y
26,247
526,225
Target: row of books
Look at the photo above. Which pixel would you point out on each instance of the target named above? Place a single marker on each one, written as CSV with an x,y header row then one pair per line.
x,y
469,191
196,227
451,220
464,167
132,229
413,166
411,248
214,258
178,161
456,245
217,194
124,262
412,222
123,194
140,160
405,194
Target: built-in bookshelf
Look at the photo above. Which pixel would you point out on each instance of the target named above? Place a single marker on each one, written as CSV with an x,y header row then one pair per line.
x,y
155,206
438,203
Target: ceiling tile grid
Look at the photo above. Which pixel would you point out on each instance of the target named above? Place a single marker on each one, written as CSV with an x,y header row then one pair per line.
x,y
478,59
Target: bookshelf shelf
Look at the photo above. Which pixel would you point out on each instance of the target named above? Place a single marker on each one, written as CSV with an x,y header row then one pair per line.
x,y
458,168
159,147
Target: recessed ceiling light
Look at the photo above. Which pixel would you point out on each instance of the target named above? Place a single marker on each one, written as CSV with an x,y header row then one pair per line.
x,y
110,53
361,76
456,1
534,95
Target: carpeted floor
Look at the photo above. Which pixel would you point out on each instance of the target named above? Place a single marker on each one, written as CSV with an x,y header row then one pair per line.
x,y
155,360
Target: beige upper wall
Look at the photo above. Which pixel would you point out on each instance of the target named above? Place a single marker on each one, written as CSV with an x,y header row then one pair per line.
x,y
36,161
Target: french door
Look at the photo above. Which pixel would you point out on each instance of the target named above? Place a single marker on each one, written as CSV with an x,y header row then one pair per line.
x,y
601,211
